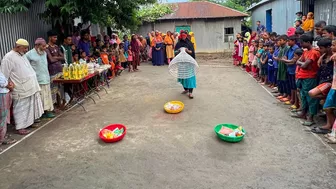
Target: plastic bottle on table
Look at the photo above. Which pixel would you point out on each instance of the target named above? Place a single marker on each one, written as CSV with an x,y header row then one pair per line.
x,y
65,71
71,72
80,71
76,71
85,69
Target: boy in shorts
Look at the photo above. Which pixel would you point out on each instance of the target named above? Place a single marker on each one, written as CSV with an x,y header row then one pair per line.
x,y
330,103
290,61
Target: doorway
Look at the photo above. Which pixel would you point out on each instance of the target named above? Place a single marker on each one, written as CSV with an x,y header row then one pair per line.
x,y
269,20
185,28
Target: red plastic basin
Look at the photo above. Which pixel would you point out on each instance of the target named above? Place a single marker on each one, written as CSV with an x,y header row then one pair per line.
x,y
111,128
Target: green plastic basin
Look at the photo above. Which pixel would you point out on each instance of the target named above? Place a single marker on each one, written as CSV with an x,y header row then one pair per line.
x,y
228,138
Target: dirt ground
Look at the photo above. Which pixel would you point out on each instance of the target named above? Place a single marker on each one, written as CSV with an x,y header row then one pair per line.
x,y
173,151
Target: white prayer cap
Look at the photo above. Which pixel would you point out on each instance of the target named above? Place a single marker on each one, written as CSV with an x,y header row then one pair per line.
x,y
22,42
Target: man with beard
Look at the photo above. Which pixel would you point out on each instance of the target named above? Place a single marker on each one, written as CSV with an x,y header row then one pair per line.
x,y
38,60
27,104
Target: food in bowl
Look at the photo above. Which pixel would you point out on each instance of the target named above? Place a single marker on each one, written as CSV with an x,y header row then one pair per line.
x,y
172,106
108,134
230,132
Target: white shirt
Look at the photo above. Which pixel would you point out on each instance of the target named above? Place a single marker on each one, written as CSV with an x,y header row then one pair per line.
x,y
3,84
18,69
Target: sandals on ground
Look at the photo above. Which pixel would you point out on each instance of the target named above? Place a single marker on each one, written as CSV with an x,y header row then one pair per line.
x,y
288,103
284,99
293,107
297,115
9,141
308,123
331,140
319,130
23,132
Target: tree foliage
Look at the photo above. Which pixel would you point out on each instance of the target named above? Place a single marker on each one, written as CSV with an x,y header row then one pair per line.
x,y
240,5
12,6
151,13
119,13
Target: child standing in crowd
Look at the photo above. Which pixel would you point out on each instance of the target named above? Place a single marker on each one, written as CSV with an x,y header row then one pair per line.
x,y
94,47
330,103
255,60
251,55
319,31
325,77
114,53
325,72
270,66
118,68
75,56
266,37
275,63
282,68
108,47
96,58
258,55
273,36
296,107
238,50
245,54
83,57
130,59
306,80
264,64
290,61
5,104
104,55
122,57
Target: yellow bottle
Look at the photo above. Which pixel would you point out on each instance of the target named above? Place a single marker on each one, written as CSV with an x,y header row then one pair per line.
x,y
85,69
76,72
65,71
81,71
71,72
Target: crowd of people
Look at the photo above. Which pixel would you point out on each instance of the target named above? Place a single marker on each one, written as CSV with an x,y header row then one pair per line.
x,y
27,91
162,46
299,67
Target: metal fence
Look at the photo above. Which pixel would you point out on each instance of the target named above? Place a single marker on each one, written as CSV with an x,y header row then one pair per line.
x,y
25,25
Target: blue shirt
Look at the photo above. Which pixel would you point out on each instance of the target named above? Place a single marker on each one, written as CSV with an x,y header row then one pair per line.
x,y
84,46
270,60
126,44
276,53
40,65
290,55
261,28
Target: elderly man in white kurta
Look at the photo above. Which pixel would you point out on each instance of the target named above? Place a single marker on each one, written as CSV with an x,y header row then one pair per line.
x,y
27,104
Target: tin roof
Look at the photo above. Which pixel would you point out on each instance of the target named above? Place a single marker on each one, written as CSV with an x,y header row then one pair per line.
x,y
255,5
201,9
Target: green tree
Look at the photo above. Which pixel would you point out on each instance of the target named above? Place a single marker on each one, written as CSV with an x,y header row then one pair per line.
x,y
151,13
12,6
240,5
118,13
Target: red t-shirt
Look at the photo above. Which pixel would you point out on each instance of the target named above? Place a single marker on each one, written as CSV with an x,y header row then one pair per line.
x,y
312,69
